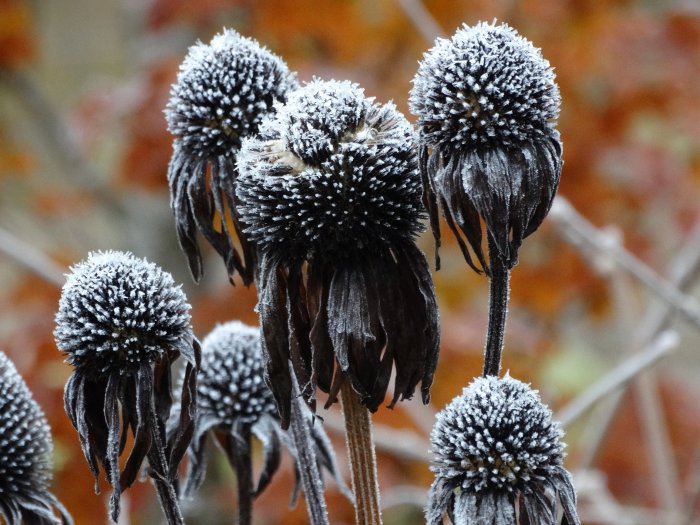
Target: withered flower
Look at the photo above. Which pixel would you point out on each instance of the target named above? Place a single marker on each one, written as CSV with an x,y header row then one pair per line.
x,y
234,404
223,91
330,193
498,459
487,105
122,323
25,455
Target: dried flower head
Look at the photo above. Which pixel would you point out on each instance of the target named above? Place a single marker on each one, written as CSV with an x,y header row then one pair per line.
x,y
331,195
122,322
223,91
487,106
233,405
25,455
498,456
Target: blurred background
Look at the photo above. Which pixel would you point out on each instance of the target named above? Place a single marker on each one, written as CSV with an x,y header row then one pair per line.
x,y
604,319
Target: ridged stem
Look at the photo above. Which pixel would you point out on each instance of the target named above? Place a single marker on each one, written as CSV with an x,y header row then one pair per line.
x,y
363,461
499,287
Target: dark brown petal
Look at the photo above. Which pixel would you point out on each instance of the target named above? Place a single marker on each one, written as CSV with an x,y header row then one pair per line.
x,y
272,307
323,357
180,204
429,197
265,430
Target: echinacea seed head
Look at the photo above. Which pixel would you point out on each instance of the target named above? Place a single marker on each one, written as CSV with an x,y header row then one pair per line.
x,y
330,173
231,384
118,312
223,91
485,85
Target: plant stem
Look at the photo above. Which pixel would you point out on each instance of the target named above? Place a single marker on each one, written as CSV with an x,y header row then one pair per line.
x,y
244,470
309,473
363,461
164,487
498,311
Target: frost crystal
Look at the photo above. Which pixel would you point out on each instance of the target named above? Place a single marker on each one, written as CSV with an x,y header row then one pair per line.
x,y
487,84
25,455
223,91
117,312
496,445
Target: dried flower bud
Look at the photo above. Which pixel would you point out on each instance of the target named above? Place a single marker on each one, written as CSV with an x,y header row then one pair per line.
x,y
223,91
487,105
122,322
496,448
25,455
330,188
235,404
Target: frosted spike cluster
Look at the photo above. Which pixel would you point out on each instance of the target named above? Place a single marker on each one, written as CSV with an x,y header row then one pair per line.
x,y
332,170
486,84
223,90
499,454
231,381
25,454
117,312
496,435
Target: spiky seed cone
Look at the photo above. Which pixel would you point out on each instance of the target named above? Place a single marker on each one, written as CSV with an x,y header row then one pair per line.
x,y
496,446
25,455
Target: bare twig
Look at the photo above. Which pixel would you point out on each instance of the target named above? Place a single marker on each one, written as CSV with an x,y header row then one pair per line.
x,y
31,258
684,270
50,124
422,19
586,236
616,378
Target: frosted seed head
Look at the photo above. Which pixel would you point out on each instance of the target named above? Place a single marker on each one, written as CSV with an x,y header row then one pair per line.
x,y
231,383
223,91
25,439
496,436
485,85
331,172
117,312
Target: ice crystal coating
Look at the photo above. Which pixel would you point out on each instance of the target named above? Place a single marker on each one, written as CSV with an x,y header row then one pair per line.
x,y
117,312
487,104
223,91
231,384
330,193
234,404
494,445
334,171
487,84
25,455
122,322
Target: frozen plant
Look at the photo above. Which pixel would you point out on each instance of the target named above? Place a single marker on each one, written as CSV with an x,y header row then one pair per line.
x,y
223,91
122,322
499,459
